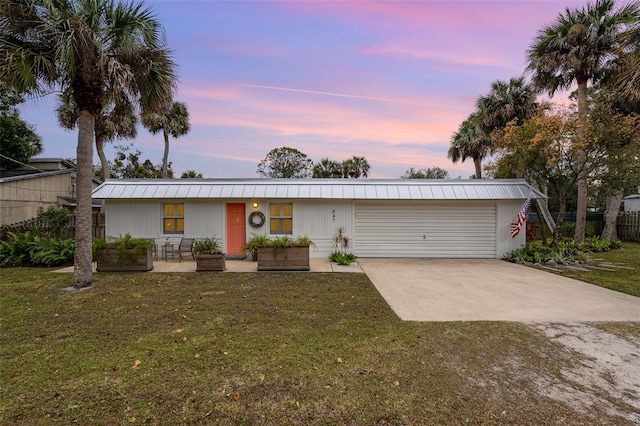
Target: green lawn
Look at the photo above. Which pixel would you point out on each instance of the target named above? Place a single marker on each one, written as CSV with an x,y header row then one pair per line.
x,y
260,348
625,279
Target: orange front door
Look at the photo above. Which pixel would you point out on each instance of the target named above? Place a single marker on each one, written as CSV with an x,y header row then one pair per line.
x,y
236,228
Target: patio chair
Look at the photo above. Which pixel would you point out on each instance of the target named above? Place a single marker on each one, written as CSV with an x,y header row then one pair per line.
x,y
185,247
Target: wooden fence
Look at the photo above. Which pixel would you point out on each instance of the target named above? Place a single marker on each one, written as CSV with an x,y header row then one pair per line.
x,y
67,231
628,226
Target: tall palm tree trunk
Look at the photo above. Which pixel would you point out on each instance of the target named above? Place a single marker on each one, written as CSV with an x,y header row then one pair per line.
x,y
478,163
581,208
82,273
165,158
106,173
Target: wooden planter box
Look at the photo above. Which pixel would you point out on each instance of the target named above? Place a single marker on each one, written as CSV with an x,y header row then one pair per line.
x,y
210,262
111,260
294,258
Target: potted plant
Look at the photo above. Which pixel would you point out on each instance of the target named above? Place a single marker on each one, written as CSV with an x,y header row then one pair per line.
x,y
208,254
251,246
123,254
285,254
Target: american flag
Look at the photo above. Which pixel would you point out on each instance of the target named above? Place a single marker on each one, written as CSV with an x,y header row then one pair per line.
x,y
522,217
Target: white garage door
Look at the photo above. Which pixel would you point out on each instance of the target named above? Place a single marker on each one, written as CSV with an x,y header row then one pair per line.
x,y
425,229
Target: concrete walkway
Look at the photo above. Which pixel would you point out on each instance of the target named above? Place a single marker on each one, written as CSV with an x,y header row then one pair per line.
x,y
492,290
188,265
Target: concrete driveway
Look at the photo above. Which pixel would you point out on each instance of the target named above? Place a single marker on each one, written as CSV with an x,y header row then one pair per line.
x,y
492,290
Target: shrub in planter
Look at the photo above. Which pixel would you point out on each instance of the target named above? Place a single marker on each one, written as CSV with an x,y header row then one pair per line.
x,y
285,254
208,254
251,246
123,254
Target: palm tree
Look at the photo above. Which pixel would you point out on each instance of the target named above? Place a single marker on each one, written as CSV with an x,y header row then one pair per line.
x,y
625,72
116,121
173,121
327,169
355,167
470,141
191,174
576,48
507,101
97,49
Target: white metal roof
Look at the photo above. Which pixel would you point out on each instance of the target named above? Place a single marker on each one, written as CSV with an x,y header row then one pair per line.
x,y
345,189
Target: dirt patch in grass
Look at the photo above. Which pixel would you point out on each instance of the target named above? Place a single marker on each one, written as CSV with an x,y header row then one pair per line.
x,y
273,348
605,368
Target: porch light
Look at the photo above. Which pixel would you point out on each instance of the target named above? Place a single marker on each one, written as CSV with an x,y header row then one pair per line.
x,y
255,204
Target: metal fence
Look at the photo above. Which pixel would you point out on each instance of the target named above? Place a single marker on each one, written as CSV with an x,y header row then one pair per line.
x,y
628,226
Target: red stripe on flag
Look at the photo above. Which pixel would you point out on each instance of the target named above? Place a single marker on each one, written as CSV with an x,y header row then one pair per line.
x,y
522,218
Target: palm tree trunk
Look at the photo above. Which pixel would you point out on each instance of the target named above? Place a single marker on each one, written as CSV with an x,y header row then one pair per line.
x,y
165,158
106,173
613,203
82,273
478,163
581,208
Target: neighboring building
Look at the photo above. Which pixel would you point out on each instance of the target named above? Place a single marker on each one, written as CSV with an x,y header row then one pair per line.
x,y
632,202
383,218
47,182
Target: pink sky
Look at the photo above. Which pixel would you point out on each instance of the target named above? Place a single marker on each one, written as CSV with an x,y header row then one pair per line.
x,y
390,81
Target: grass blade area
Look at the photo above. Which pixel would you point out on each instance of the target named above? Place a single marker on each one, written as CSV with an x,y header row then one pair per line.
x,y
260,348
625,277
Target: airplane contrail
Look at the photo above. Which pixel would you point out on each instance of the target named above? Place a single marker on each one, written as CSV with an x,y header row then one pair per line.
x,y
342,95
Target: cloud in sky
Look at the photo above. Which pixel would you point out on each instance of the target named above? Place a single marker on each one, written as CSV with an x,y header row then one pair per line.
x,y
389,80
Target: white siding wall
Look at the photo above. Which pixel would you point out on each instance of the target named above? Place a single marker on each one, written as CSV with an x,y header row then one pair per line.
x,y
142,218
319,221
425,229
377,229
204,219
262,207
632,205
139,218
507,211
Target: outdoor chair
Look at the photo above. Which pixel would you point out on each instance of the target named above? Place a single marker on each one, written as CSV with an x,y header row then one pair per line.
x,y
185,247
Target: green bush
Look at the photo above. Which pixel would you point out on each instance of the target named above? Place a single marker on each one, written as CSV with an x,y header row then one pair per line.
x,y
207,246
342,258
568,229
597,245
29,249
52,222
566,252
52,252
15,249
